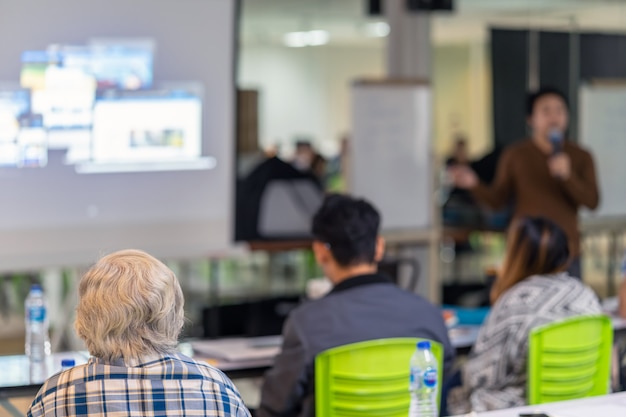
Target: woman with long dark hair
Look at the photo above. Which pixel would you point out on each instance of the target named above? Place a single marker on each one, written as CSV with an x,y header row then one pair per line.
x,y
531,290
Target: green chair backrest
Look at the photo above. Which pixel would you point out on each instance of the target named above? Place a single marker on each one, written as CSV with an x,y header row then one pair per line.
x,y
570,359
367,378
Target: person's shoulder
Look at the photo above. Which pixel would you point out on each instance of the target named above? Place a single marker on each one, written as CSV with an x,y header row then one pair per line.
x,y
60,382
516,150
406,299
576,149
522,145
558,286
308,306
191,369
219,384
323,305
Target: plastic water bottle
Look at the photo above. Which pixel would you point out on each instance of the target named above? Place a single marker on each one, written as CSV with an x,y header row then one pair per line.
x,y
424,380
37,337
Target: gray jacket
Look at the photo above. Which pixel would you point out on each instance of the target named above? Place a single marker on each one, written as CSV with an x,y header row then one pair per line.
x,y
361,308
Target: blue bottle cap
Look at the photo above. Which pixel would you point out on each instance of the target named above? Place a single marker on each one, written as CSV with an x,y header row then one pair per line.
x,y
35,287
68,363
424,344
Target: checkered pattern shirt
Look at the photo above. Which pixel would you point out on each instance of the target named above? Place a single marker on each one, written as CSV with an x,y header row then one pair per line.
x,y
172,385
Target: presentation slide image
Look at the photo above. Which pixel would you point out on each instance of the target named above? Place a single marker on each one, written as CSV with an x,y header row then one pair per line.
x,y
147,129
98,103
124,64
33,148
9,154
168,188
14,105
67,100
75,143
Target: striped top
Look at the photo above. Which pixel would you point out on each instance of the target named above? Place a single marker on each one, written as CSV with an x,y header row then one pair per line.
x,y
494,376
171,385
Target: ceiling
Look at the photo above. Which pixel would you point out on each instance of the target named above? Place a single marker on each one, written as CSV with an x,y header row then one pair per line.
x,y
266,21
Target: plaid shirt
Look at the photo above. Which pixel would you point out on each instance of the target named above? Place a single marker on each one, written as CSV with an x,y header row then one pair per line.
x,y
173,385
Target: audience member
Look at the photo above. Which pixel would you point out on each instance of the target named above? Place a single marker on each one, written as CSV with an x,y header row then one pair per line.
x,y
531,290
130,314
363,305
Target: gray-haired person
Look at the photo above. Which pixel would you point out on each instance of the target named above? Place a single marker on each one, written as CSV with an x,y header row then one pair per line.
x,y
130,314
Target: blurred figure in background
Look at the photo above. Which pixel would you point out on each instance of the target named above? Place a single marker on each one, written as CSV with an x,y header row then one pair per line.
x,y
307,160
339,168
622,290
459,155
304,156
545,176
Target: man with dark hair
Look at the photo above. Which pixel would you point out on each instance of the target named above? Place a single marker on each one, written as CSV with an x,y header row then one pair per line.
x,y
544,176
363,305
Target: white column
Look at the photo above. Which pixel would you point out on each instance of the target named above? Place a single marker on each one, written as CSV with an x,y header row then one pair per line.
x,y
409,56
409,42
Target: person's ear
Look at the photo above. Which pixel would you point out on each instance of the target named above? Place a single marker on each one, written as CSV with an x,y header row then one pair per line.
x,y
321,252
380,249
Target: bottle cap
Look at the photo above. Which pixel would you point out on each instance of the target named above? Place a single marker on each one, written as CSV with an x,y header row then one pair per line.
x,y
35,287
68,363
424,344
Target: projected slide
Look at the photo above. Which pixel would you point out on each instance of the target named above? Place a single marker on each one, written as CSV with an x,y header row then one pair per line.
x,y
117,129
100,104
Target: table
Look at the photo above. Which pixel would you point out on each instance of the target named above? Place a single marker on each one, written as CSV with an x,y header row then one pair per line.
x,y
613,405
244,357
15,406
236,357
19,377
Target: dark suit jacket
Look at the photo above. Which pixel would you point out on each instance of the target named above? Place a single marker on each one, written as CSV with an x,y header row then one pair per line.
x,y
361,308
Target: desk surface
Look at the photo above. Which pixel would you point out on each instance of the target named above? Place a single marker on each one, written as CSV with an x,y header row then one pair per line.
x,y
18,372
237,357
613,405
230,353
15,407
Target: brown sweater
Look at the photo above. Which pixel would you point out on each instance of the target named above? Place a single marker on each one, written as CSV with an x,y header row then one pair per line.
x,y
523,177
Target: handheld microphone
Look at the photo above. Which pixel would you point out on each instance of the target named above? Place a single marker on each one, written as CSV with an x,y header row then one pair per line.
x,y
556,139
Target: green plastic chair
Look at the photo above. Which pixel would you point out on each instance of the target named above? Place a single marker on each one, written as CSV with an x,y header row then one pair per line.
x,y
570,359
367,378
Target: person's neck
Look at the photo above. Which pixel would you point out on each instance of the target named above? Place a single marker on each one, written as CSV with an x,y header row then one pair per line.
x,y
344,274
543,144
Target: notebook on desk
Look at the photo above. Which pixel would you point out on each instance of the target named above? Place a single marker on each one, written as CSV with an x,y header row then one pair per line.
x,y
239,349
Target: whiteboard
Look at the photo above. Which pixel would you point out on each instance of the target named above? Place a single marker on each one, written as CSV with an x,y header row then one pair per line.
x,y
603,131
391,152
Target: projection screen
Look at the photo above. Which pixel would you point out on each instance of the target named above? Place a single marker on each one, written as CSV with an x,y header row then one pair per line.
x,y
116,129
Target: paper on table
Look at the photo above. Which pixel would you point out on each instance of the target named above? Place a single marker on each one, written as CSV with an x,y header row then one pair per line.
x,y
239,350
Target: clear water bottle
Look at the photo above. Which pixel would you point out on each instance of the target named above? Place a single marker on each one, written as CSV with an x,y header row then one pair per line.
x,y
424,380
37,336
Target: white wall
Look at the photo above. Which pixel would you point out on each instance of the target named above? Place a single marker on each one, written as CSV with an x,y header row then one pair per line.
x,y
306,91
462,96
